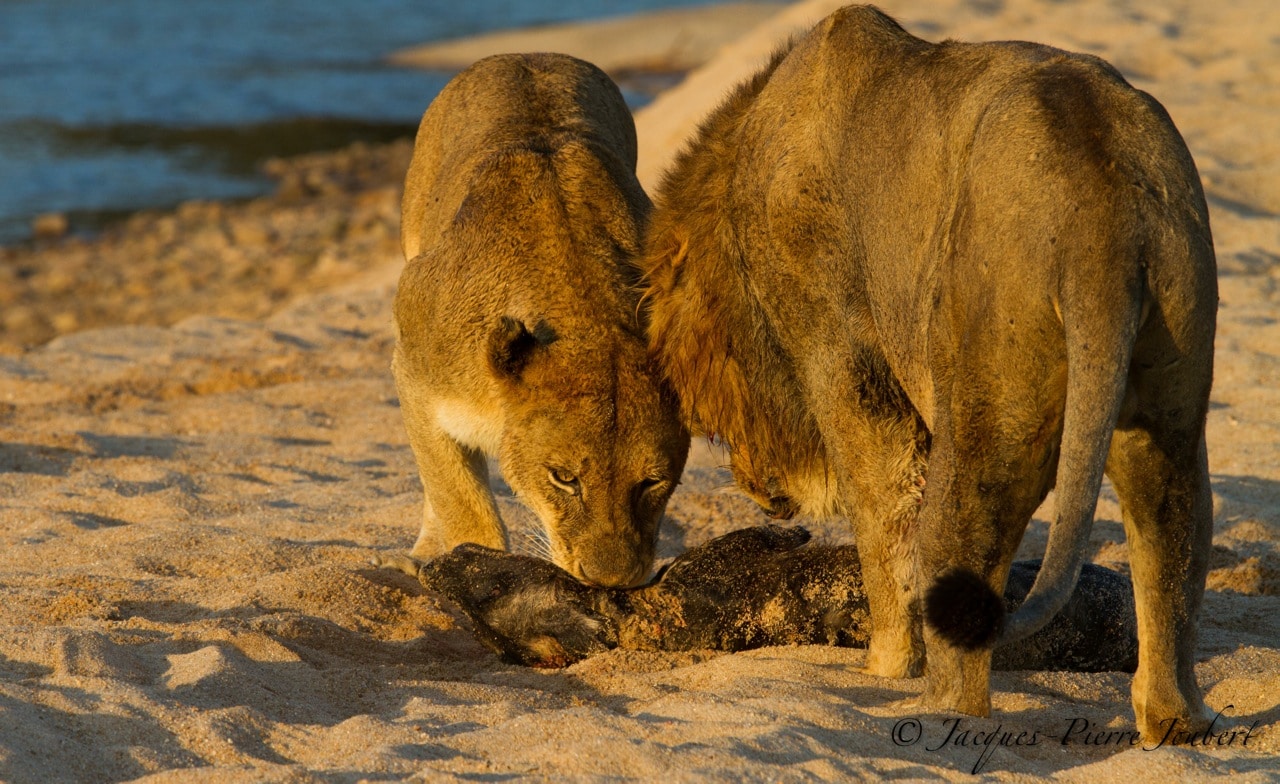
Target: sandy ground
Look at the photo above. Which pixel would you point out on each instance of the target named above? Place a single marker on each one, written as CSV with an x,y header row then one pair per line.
x,y
186,514
663,41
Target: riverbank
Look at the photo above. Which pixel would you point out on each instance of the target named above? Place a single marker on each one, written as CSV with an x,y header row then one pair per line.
x,y
331,217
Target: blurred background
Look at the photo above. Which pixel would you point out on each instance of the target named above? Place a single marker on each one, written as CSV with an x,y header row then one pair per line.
x,y
111,106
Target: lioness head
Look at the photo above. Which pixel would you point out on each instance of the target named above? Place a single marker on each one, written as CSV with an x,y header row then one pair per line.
x,y
592,443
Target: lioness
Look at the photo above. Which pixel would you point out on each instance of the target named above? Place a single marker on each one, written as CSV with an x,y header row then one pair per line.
x,y
517,326
924,283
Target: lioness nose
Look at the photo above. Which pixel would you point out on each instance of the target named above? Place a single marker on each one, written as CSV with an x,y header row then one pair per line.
x,y
602,576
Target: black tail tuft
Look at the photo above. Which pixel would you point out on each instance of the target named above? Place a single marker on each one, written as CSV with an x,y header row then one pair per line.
x,y
964,610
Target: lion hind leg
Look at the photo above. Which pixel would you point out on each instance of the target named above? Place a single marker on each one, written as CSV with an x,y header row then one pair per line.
x,y
992,463
1158,465
1167,505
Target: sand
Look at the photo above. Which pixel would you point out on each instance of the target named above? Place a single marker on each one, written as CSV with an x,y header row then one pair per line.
x,y
187,510
669,40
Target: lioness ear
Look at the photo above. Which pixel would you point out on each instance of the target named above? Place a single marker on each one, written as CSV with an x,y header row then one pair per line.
x,y
512,345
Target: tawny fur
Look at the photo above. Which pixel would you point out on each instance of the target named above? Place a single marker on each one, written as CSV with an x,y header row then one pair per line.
x,y
516,315
920,285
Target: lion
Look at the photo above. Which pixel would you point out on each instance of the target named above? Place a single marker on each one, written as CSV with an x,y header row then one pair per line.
x,y
747,589
921,284
518,333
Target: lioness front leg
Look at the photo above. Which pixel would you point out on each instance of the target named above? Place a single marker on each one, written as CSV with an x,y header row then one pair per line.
x,y
458,505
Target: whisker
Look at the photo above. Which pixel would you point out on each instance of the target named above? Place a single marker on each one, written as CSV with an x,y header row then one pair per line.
x,y
534,541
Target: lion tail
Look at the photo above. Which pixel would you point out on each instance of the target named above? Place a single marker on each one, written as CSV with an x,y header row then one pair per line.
x,y
1101,314
1101,318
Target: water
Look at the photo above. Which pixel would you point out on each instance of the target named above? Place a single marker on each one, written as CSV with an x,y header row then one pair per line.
x,y
109,106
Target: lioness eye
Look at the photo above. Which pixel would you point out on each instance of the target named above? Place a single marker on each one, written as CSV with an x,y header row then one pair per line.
x,y
564,480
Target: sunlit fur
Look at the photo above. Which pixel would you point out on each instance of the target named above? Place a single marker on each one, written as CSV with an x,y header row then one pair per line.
x,y
713,345
921,284
518,332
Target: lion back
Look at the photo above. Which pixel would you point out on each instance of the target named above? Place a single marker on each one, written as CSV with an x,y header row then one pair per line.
x,y
500,102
